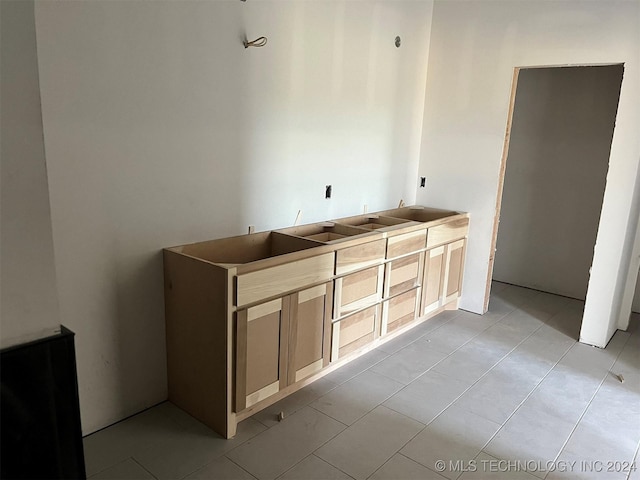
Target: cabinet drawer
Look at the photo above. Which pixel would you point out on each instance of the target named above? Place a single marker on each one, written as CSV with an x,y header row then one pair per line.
x,y
403,274
360,256
358,290
447,232
354,332
270,282
406,243
400,310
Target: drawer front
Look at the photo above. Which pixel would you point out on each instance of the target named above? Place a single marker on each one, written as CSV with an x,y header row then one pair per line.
x,y
403,274
354,332
270,282
447,232
400,311
360,256
358,290
406,243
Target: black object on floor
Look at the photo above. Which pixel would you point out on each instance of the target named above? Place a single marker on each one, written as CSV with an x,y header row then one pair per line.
x,y
40,412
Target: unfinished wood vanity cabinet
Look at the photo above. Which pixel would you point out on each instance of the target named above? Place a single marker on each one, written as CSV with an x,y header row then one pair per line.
x,y
253,318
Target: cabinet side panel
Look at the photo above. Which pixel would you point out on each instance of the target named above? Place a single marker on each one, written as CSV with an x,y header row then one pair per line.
x,y
196,323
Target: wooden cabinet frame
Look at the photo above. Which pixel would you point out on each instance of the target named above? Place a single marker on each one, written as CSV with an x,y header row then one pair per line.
x,y
253,318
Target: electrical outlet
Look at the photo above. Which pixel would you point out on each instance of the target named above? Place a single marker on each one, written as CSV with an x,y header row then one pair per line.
x,y
423,182
327,191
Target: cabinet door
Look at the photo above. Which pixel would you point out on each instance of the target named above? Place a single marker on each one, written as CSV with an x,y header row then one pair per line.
x,y
453,270
309,331
358,290
432,286
261,351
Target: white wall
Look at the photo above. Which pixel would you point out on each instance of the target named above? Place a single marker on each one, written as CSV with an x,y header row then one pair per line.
x,y
474,49
555,178
162,129
636,296
29,297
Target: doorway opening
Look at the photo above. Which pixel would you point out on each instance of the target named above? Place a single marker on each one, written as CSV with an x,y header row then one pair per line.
x,y
553,176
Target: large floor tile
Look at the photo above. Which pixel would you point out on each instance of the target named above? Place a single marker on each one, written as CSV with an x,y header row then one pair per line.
x,y
500,338
409,363
499,393
191,449
530,435
427,397
610,427
356,366
486,467
522,322
125,470
456,435
545,305
314,468
547,344
128,437
365,446
469,362
357,397
634,473
498,307
294,402
221,469
400,467
592,360
564,393
279,448
570,466
452,335
418,331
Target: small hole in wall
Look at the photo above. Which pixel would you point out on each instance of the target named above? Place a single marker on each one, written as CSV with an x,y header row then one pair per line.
x,y
327,191
423,182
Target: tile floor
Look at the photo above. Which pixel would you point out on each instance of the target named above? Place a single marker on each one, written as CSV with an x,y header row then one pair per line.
x,y
510,395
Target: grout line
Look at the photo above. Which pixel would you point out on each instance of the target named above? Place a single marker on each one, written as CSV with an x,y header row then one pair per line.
x,y
604,379
536,388
143,467
634,462
486,373
235,463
